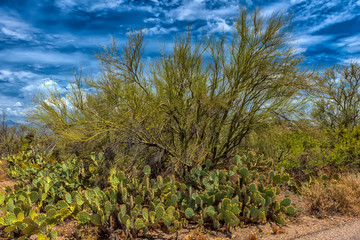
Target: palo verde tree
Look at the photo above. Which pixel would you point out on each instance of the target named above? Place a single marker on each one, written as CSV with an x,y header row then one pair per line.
x,y
337,97
195,102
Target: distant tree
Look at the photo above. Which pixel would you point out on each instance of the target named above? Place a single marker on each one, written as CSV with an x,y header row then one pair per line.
x,y
12,138
337,97
194,103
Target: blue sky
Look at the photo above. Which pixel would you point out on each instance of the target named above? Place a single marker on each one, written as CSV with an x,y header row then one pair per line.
x,y
41,42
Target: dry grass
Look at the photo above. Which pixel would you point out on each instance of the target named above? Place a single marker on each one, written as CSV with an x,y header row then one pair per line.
x,y
3,175
5,180
342,197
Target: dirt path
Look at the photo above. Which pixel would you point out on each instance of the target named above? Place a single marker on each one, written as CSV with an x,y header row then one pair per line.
x,y
348,231
308,227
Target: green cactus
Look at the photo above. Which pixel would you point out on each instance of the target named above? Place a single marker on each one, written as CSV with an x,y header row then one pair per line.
x,y
139,199
290,210
147,170
83,217
285,202
139,224
152,216
159,212
34,196
244,173
68,198
167,218
189,213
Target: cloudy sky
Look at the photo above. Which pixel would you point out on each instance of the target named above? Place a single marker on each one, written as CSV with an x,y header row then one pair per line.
x,y
42,41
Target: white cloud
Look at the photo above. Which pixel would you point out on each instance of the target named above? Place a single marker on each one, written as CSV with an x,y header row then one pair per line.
x,y
49,83
320,14
152,20
218,24
351,60
306,40
302,42
332,19
12,26
16,35
7,101
43,56
12,76
42,85
349,44
13,112
67,39
87,5
277,7
98,6
197,10
158,30
293,2
12,107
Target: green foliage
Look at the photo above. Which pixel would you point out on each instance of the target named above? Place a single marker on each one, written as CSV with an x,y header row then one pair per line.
x,y
197,102
343,149
13,138
301,148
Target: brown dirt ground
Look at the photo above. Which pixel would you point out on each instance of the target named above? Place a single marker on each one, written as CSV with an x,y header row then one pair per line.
x,y
300,227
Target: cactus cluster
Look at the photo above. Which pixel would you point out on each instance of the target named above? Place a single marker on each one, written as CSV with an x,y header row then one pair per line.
x,y
246,191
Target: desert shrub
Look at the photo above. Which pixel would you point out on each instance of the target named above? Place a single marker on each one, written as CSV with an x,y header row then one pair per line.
x,y
246,191
13,138
296,146
343,151
195,102
342,197
304,148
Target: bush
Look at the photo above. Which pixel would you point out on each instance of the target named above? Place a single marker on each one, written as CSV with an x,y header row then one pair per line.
x,y
13,138
341,197
194,103
337,97
302,148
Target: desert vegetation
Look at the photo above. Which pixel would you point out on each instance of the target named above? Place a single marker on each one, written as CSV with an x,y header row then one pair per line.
x,y
217,132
